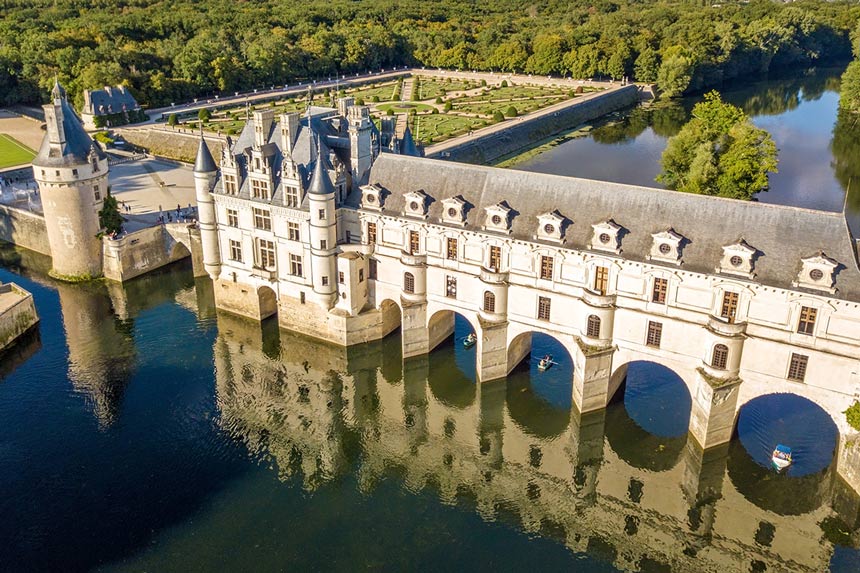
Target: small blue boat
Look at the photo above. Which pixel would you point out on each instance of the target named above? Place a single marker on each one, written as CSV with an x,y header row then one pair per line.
x,y
781,457
470,340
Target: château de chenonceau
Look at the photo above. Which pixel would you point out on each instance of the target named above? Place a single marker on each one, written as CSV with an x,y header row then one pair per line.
x,y
347,234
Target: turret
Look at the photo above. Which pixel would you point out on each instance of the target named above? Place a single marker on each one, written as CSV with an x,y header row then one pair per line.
x,y
360,144
205,171
71,171
323,234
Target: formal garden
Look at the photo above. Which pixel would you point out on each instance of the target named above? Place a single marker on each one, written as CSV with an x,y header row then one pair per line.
x,y
435,108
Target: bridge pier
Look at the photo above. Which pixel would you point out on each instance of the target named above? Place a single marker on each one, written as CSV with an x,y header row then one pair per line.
x,y
414,331
591,376
715,404
493,358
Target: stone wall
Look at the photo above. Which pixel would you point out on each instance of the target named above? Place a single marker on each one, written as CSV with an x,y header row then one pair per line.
x,y
526,131
25,229
17,313
140,252
848,460
179,143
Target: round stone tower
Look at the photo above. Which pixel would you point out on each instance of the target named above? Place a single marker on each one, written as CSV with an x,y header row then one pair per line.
x,y
205,171
72,173
323,234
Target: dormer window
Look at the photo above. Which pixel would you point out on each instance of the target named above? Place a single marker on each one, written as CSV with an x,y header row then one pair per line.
x,y
415,204
817,273
737,259
498,218
550,227
606,237
371,197
666,247
454,211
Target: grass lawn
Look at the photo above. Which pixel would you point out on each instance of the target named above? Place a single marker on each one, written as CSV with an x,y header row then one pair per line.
x,y
385,92
12,152
431,88
405,107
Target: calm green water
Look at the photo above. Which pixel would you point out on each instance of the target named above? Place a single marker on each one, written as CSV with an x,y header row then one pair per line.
x,y
141,431
818,146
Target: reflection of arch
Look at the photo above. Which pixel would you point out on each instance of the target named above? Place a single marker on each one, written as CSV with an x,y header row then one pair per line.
x,y
798,422
452,377
637,447
268,302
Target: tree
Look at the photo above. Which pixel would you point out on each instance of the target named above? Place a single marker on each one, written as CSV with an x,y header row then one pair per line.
x,y
646,66
172,120
511,112
498,116
204,114
109,218
675,72
448,106
719,152
849,94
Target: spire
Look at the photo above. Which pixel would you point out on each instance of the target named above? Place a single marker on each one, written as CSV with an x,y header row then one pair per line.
x,y
204,162
58,92
407,144
320,181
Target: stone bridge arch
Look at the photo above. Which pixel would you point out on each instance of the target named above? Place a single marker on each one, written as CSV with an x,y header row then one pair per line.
x,y
183,240
519,343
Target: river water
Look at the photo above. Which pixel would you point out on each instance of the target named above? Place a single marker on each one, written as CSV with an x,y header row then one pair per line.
x,y
142,431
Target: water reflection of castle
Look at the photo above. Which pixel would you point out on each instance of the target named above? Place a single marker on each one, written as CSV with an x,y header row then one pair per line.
x,y
576,478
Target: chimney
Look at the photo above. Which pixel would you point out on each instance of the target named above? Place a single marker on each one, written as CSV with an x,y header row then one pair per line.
x,y
88,101
289,130
344,104
262,126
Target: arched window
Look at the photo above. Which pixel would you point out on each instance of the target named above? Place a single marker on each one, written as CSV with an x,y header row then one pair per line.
x,y
489,302
720,356
408,282
592,328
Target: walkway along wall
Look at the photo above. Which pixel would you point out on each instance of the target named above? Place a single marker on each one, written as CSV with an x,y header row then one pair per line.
x,y
148,249
525,131
23,228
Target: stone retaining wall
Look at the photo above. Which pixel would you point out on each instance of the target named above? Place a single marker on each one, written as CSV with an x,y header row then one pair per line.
x,y
526,131
16,317
25,229
140,252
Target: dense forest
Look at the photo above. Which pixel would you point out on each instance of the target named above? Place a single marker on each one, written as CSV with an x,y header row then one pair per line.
x,y
171,50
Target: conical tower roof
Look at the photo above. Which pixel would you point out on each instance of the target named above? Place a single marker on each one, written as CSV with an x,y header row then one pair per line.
x,y
204,162
72,145
320,181
407,144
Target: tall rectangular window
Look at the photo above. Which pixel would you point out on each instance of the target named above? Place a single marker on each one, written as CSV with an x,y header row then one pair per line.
x,y
543,308
806,325
230,184
262,219
452,249
259,189
361,275
293,231
321,214
655,334
409,282
797,367
323,244
601,279
546,267
232,217
451,286
658,294
371,233
413,242
340,277
235,251
292,196
729,308
266,253
371,269
296,265
495,258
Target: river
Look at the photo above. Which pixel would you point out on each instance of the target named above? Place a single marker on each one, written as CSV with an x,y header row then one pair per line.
x,y
140,430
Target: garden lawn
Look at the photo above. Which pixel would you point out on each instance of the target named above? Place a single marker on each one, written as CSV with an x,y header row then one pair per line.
x,y
12,152
433,128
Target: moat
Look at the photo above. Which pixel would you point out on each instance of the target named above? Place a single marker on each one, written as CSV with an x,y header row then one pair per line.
x,y
144,431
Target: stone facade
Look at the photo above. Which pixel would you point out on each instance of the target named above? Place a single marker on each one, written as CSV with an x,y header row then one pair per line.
x,y
740,299
17,313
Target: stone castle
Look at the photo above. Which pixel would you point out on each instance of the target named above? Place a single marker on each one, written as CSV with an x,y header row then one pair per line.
x,y
308,219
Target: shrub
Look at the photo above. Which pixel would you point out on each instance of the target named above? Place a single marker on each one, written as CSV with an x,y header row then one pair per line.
x,y
438,100
498,116
374,99
483,83
504,83
852,414
204,115
172,120
511,112
448,106
192,125
389,111
435,111
103,137
359,101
